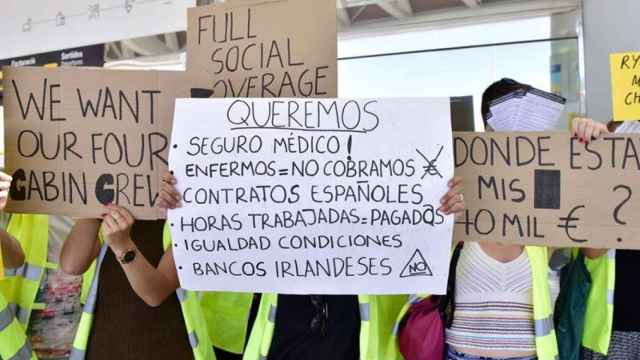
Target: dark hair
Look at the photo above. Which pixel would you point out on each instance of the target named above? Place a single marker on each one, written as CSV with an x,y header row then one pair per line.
x,y
497,90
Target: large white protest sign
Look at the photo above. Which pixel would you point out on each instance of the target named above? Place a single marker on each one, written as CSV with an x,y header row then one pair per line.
x,y
303,196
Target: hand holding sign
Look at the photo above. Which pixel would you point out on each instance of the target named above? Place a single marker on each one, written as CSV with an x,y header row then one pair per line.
x,y
586,130
169,197
453,201
116,227
5,185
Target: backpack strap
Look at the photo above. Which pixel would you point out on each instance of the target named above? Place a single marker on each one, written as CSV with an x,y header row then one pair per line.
x,y
448,302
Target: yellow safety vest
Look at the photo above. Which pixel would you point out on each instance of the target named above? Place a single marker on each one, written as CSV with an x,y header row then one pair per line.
x,y
377,315
14,344
194,319
546,344
598,320
227,318
21,285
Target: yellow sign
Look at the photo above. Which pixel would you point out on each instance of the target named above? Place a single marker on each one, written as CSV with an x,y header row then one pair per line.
x,y
625,86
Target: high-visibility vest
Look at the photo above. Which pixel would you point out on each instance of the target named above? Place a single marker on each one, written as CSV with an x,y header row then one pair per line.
x,y
194,319
21,285
377,315
13,340
546,344
227,318
598,319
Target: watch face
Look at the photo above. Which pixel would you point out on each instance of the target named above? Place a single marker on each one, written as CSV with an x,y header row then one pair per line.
x,y
129,256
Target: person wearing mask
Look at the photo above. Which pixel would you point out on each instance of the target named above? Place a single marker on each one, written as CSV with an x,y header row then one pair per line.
x,y
132,281
612,321
502,297
310,327
503,306
14,343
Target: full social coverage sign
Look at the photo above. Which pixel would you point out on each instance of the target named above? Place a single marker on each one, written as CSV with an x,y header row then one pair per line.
x,y
334,196
264,48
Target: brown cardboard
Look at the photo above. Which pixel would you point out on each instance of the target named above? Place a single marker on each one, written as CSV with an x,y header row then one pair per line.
x,y
297,40
595,204
63,116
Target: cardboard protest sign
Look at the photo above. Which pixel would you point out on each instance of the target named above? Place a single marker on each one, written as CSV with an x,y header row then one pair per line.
x,y
625,86
312,196
549,189
263,48
80,138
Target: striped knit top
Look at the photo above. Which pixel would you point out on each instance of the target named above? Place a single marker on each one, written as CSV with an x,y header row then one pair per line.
x,y
494,305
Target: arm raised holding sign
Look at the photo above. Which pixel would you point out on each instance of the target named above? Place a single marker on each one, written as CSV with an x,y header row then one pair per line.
x,y
131,265
611,318
152,284
587,130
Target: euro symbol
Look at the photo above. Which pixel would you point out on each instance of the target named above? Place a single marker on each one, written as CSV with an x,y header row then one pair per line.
x,y
567,223
431,168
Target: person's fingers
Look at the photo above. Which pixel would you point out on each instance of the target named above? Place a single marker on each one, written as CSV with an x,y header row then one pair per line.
x,y
600,130
454,181
162,204
129,216
457,207
106,229
112,212
574,126
444,208
168,178
588,132
451,193
169,198
110,224
455,186
4,185
116,219
170,189
4,194
581,129
5,177
124,218
453,201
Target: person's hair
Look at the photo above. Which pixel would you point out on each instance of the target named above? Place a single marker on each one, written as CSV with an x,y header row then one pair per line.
x,y
497,90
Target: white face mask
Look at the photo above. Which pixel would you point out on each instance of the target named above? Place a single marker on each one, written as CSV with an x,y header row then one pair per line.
x,y
629,127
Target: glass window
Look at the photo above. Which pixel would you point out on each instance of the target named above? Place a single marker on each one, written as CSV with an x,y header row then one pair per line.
x,y
550,65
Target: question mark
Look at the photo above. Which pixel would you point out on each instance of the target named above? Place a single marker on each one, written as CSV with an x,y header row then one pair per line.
x,y
616,211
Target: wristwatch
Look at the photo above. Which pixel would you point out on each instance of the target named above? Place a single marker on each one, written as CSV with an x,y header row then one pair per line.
x,y
128,256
